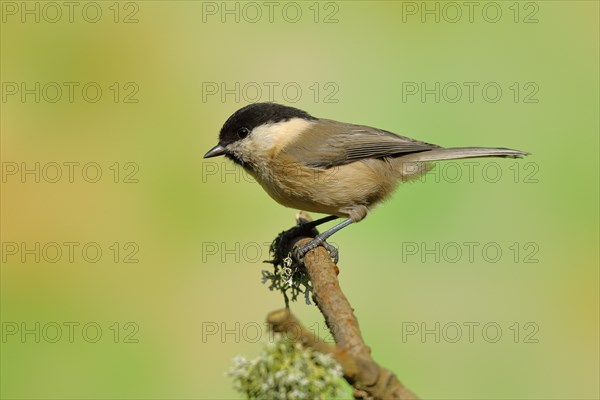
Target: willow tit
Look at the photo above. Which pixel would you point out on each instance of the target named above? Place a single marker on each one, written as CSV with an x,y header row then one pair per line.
x,y
326,166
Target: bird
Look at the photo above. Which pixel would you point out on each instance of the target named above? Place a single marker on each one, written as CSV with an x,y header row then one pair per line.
x,y
326,166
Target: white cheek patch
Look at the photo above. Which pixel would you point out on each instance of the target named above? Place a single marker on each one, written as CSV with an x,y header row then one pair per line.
x,y
265,142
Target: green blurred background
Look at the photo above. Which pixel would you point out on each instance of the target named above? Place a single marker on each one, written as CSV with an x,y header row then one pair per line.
x,y
199,229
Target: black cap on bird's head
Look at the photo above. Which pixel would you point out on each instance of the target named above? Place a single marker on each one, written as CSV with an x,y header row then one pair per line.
x,y
243,121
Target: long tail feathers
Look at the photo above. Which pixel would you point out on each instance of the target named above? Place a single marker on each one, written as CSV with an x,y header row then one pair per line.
x,y
462,152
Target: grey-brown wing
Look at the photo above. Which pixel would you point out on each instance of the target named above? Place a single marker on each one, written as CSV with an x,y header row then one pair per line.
x,y
329,143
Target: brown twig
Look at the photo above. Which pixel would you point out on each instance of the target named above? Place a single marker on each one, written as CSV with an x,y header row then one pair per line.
x,y
370,381
283,321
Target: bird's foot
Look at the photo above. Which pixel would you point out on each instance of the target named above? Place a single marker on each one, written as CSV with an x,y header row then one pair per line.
x,y
334,253
313,244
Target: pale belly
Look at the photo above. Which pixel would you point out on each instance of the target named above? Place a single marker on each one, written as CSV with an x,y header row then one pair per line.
x,y
335,190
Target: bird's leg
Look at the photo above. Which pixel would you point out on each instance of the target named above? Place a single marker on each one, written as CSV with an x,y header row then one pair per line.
x,y
320,240
320,221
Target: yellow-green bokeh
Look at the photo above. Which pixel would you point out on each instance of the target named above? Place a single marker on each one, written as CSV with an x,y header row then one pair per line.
x,y
183,205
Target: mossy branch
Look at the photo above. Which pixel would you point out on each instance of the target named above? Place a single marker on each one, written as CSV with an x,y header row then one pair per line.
x,y
370,381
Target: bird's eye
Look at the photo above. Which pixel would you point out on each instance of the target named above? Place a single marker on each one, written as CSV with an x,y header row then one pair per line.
x,y
243,132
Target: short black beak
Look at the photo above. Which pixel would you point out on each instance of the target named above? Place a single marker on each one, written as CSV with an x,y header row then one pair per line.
x,y
218,150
